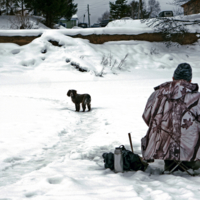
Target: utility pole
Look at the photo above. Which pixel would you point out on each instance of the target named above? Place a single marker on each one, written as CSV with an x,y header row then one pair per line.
x,y
88,15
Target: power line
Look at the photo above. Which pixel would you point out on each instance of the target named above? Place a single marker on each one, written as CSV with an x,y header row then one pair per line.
x,y
83,7
94,4
91,8
99,4
94,7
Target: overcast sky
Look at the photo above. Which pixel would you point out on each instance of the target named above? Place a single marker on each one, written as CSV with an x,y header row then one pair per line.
x,y
98,7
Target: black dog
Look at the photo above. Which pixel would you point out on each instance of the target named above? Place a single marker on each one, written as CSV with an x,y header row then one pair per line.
x,y
77,99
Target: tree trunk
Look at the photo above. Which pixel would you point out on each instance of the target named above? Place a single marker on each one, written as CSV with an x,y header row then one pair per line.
x,y
22,8
140,9
49,19
7,6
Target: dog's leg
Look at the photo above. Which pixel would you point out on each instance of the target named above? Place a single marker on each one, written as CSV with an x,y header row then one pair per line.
x,y
84,106
89,106
77,107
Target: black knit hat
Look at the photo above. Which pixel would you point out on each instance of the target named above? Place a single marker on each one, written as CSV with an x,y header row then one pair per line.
x,y
183,71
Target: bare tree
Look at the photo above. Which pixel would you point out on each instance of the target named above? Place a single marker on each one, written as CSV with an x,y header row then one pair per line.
x,y
21,4
144,13
105,15
136,8
134,5
21,22
172,29
9,4
153,7
140,9
178,11
1,6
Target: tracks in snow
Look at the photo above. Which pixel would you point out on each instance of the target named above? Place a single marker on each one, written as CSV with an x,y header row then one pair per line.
x,y
74,133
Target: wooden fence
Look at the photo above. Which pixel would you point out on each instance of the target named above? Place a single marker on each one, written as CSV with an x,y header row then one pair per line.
x,y
188,38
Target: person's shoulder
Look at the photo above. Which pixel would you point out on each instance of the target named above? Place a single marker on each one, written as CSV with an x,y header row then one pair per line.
x,y
193,95
197,94
163,85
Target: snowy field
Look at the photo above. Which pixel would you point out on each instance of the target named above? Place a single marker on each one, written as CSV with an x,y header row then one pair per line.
x,y
50,152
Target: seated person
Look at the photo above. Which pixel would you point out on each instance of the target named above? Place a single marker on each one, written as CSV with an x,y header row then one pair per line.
x,y
172,114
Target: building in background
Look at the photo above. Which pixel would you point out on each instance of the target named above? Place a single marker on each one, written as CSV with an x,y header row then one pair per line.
x,y
191,7
69,23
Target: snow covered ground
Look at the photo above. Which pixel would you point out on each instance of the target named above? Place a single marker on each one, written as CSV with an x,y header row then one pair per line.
x,y
50,152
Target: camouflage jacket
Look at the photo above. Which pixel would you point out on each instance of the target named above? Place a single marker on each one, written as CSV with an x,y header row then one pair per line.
x,y
172,114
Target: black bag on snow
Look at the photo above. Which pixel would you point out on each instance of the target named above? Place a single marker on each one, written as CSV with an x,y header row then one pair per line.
x,y
131,161
108,160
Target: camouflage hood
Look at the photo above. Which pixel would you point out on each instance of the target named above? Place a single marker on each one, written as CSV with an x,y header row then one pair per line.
x,y
173,116
177,89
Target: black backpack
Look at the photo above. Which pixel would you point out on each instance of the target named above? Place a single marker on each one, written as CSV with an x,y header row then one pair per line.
x,y
131,161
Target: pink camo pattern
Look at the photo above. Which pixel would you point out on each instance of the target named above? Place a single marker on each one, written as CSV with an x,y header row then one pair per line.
x,y
172,114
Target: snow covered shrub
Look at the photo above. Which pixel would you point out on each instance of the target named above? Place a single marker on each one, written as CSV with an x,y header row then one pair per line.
x,y
173,29
21,22
111,62
122,62
104,61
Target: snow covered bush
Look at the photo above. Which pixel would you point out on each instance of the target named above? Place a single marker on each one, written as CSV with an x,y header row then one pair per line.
x,y
111,62
22,22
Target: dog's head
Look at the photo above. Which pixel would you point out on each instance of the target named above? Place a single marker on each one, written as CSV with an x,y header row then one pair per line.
x,y
71,93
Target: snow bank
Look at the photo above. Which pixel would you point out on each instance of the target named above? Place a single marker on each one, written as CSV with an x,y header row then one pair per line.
x,y
127,27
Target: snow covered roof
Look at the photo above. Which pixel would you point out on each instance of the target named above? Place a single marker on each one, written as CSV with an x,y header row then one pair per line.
x,y
74,17
190,1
